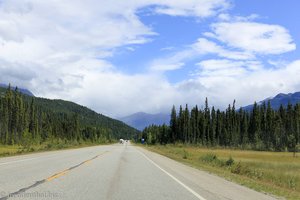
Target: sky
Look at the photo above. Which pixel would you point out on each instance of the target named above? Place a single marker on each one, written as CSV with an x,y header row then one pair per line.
x,y
122,57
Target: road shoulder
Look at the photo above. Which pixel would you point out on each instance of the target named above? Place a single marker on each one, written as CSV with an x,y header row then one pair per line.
x,y
208,185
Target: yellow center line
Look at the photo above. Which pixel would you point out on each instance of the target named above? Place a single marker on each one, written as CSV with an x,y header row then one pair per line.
x,y
87,162
67,170
57,175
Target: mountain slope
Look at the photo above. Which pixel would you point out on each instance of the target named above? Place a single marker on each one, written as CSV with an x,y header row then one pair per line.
x,y
279,99
86,116
141,120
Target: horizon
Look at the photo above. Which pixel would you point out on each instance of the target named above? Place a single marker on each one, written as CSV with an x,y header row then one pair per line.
x,y
145,56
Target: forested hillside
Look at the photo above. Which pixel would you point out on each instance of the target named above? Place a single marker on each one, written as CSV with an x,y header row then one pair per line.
x,y
24,118
263,128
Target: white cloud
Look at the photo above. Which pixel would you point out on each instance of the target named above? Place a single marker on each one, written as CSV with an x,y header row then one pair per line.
x,y
117,94
227,68
232,81
204,46
169,48
172,61
199,8
166,66
201,47
254,37
59,49
236,18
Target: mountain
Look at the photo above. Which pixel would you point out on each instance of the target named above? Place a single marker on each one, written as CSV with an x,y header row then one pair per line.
x,y
141,120
86,116
22,90
279,99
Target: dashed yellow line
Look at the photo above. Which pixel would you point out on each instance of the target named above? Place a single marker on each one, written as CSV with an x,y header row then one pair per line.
x,y
22,190
87,162
68,170
57,175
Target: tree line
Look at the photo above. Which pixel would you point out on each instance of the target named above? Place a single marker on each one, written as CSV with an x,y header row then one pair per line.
x,y
262,128
22,121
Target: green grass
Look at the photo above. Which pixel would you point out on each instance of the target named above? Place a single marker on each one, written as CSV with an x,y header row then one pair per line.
x,y
276,173
11,150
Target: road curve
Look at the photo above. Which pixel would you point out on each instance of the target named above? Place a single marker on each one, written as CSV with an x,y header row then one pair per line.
x,y
117,172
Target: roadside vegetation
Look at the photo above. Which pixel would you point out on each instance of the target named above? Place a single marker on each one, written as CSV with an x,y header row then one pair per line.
x,y
275,173
11,150
262,128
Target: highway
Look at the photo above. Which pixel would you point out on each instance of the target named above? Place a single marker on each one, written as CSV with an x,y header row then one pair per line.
x,y
117,172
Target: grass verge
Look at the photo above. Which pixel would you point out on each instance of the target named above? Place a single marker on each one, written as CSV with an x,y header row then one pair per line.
x,y
11,150
275,173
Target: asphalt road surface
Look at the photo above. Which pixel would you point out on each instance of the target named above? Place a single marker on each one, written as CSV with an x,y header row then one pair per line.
x,y
120,171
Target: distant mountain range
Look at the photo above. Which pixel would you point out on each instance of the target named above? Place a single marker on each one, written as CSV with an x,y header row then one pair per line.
x,y
279,99
22,90
141,120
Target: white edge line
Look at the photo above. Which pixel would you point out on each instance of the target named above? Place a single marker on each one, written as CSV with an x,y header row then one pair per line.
x,y
16,161
174,178
26,159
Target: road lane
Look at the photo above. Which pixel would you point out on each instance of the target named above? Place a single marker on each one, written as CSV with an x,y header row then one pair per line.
x,y
22,171
112,172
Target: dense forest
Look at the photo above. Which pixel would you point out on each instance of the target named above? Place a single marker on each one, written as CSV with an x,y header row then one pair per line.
x,y
25,119
263,128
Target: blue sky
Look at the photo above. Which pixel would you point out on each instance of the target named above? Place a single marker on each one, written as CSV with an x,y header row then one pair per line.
x,y
174,33
130,56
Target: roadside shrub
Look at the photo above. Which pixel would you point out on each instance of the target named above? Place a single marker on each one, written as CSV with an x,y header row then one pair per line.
x,y
20,151
185,154
212,159
60,146
49,146
180,145
292,183
31,149
5,154
209,158
256,174
230,161
240,169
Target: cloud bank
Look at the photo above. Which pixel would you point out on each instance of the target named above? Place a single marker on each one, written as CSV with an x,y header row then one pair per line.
x,y
61,49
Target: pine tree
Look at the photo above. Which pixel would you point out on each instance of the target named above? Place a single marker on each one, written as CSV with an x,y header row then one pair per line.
x,y
180,124
206,122
269,136
32,119
173,125
219,125
186,124
212,131
254,129
194,124
244,128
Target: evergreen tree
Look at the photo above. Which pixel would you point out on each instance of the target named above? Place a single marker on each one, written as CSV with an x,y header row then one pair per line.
x,y
206,122
173,125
